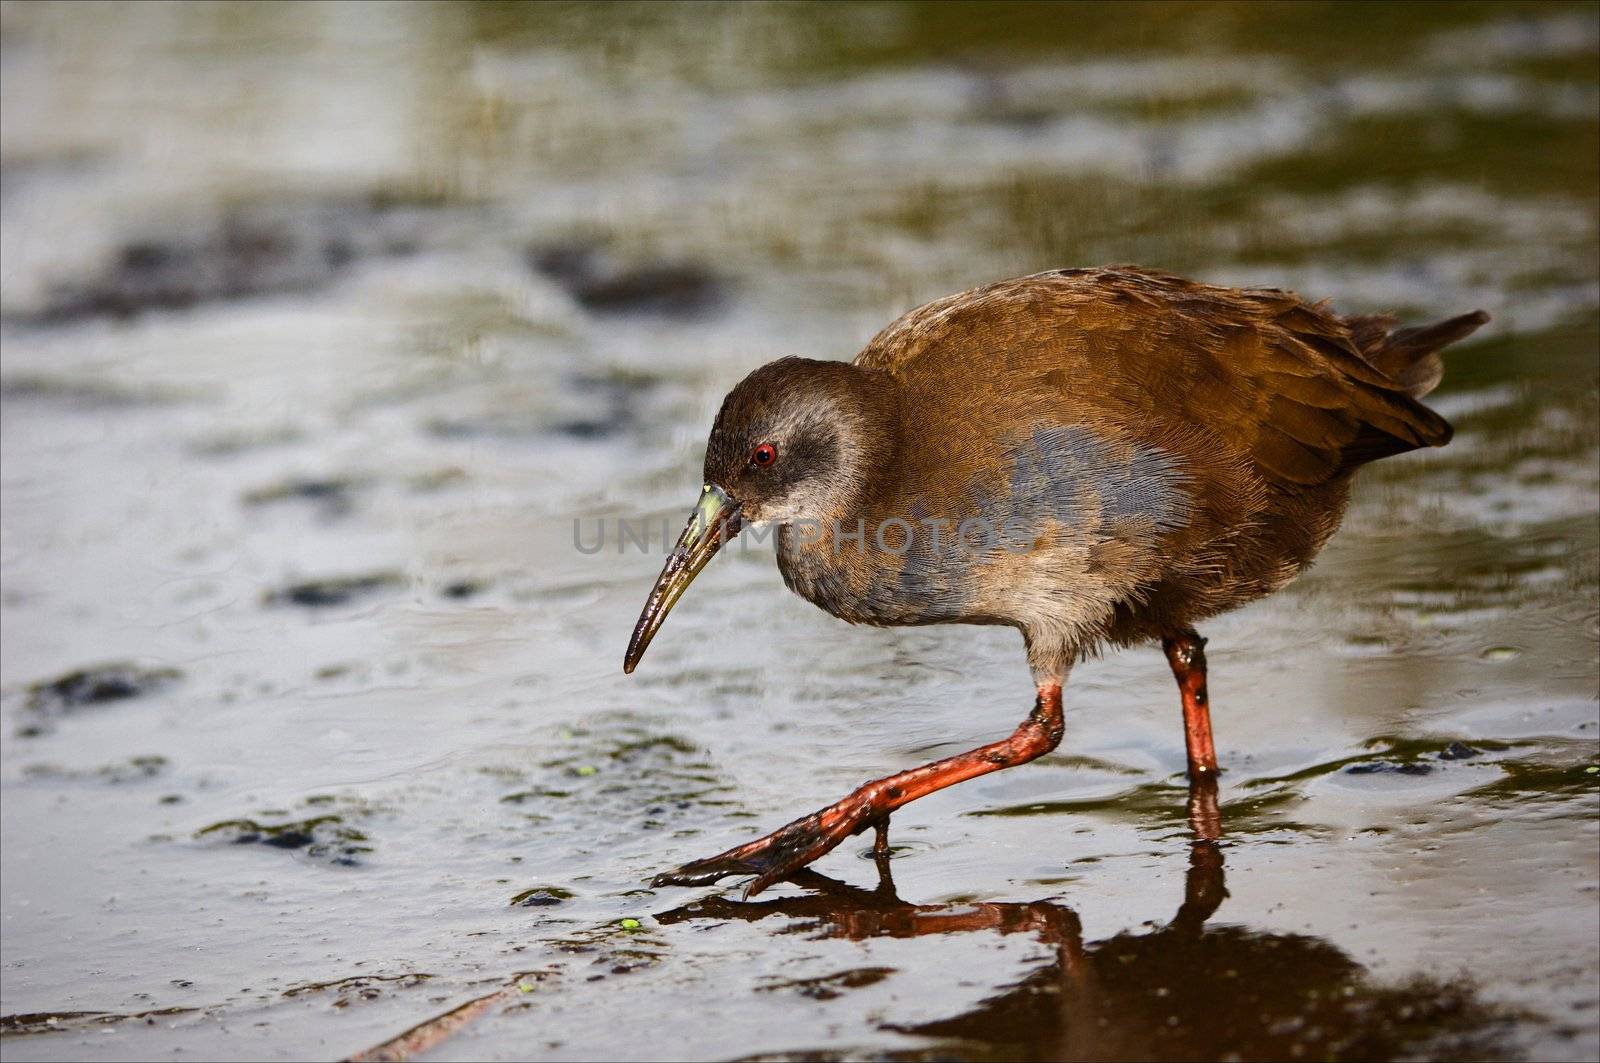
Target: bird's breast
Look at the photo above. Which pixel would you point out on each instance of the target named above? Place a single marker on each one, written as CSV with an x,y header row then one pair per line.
x,y
1057,521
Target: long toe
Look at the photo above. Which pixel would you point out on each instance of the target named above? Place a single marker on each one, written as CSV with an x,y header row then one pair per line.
x,y
770,859
704,872
797,845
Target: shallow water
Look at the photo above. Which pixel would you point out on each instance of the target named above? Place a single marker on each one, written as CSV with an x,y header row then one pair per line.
x,y
320,330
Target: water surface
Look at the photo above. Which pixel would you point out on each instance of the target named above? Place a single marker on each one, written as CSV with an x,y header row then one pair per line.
x,y
322,324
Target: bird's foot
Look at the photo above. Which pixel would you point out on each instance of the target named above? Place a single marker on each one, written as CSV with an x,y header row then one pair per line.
x,y
784,851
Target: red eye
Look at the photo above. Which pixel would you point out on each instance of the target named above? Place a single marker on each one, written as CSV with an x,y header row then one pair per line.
x,y
763,455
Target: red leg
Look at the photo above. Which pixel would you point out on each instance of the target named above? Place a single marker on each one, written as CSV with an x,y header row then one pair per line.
x,y
880,841
1186,652
1205,815
795,845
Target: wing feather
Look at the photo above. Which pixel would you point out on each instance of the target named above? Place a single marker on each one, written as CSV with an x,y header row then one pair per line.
x,y
1258,370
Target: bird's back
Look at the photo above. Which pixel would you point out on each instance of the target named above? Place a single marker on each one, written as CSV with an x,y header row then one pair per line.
x,y
1181,447
1304,394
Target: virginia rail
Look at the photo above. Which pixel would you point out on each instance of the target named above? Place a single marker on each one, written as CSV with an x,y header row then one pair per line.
x,y
1096,457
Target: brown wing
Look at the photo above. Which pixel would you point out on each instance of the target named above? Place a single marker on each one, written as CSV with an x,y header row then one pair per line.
x,y
1409,356
1283,381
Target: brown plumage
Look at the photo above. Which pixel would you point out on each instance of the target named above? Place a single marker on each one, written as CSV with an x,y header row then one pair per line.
x,y
1095,457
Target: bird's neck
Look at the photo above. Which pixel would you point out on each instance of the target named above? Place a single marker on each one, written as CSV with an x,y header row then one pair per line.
x,y
826,556
869,416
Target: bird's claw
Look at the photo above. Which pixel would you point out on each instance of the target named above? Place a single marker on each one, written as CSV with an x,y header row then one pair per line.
x,y
779,854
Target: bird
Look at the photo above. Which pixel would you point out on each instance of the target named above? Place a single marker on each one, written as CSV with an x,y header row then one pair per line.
x,y
1096,457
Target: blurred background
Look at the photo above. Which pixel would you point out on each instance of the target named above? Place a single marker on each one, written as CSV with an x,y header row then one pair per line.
x,y
323,323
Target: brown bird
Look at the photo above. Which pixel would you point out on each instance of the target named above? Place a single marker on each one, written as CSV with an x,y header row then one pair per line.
x,y
1096,457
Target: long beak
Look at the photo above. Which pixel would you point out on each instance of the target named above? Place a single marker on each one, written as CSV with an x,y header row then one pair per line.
x,y
714,521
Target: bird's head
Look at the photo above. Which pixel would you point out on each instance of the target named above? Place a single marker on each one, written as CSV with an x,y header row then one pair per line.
x,y
796,440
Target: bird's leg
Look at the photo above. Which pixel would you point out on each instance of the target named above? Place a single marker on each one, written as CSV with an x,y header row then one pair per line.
x,y
880,860
880,839
1204,888
1186,652
795,845
1205,815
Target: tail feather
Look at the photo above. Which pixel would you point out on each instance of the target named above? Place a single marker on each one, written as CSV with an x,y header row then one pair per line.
x,y
1410,356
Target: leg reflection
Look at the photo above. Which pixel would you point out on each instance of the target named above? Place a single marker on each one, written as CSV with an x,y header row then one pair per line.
x,y
1204,889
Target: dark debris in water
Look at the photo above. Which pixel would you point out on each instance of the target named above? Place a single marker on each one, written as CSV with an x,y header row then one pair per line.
x,y
64,1021
87,394
1379,767
134,769
541,897
1390,754
325,838
524,796
258,248
359,988
1415,757
91,687
1540,779
333,495
334,590
602,284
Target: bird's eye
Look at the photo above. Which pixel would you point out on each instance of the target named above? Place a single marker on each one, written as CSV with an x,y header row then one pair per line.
x,y
763,455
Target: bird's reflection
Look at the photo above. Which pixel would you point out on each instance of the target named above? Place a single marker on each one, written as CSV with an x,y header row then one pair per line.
x,y
1184,990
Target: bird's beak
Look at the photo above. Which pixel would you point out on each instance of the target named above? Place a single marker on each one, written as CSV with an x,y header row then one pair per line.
x,y
714,521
